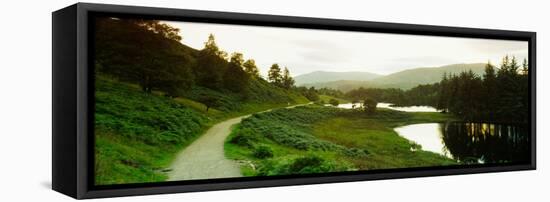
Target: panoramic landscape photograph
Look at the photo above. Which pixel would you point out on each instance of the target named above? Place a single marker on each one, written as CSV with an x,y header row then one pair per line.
x,y
177,101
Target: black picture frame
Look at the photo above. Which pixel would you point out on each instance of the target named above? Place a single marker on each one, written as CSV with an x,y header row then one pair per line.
x,y
73,99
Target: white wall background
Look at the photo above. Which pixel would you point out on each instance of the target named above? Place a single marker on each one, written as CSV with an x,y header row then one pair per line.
x,y
25,100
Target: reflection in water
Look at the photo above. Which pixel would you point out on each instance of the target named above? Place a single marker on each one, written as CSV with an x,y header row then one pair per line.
x,y
389,106
489,143
408,108
427,135
471,142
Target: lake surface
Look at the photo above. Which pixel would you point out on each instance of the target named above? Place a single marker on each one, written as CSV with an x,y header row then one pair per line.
x,y
471,142
388,106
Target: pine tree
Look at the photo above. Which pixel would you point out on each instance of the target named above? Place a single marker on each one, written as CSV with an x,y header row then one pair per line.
x,y
443,100
210,47
274,75
490,91
514,66
287,80
210,64
524,67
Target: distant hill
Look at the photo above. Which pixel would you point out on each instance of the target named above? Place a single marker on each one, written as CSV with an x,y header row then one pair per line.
x,y
404,79
323,76
413,77
342,85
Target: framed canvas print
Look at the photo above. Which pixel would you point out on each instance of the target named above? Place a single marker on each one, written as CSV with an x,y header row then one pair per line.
x,y
155,100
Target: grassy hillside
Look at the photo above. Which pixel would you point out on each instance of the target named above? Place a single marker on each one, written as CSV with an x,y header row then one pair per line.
x,y
405,79
323,76
259,93
314,139
138,134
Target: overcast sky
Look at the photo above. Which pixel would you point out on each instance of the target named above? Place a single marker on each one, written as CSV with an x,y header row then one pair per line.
x,y
306,50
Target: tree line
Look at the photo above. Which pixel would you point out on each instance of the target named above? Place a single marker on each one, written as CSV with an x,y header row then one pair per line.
x,y
499,95
149,53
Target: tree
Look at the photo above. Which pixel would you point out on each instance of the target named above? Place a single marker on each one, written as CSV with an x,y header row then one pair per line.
x,y
504,65
209,101
444,94
162,29
514,65
498,96
509,87
334,102
274,75
524,89
212,48
369,105
235,78
311,94
211,64
490,91
287,81
146,52
524,67
236,59
251,68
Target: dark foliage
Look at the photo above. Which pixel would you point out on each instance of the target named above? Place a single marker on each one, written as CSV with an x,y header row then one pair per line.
x,y
145,52
310,93
369,105
333,102
263,152
244,137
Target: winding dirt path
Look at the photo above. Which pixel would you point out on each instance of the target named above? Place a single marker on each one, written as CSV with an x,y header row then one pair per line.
x,y
204,158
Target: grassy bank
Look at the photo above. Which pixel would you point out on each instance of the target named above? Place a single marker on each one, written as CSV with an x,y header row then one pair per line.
x,y
138,135
313,139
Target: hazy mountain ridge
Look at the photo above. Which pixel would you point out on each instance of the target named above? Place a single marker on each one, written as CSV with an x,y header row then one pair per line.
x,y
325,76
405,79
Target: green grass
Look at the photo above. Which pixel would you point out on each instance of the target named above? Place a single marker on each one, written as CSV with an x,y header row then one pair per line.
x,y
375,133
327,139
197,106
138,135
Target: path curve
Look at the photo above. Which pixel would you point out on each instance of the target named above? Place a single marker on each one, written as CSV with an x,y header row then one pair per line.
x,y
204,158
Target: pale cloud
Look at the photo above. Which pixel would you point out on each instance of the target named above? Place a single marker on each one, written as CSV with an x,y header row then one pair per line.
x,y
307,50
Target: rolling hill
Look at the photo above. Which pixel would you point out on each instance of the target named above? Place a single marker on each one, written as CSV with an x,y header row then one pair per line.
x,y
323,76
404,79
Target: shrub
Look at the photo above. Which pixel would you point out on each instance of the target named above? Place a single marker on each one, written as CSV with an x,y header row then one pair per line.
x,y
243,137
333,102
267,168
289,127
370,105
308,164
355,152
415,146
263,152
